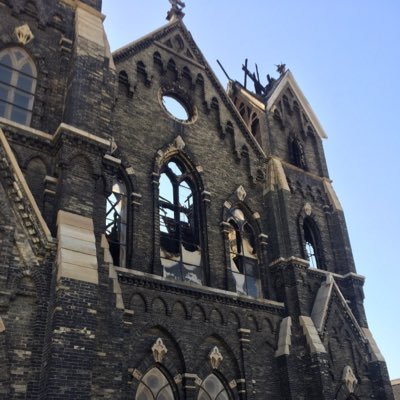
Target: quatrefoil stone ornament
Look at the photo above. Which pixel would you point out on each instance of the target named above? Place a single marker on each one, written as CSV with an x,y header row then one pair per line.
x,y
23,34
241,193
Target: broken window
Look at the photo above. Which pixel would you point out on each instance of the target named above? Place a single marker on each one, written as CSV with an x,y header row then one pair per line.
x,y
311,245
154,386
180,250
17,85
297,154
212,389
243,255
116,222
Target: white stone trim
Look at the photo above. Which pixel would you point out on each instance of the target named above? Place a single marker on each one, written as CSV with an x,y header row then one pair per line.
x,y
76,259
285,337
311,334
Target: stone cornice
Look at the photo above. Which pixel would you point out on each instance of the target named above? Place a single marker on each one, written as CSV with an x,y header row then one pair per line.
x,y
145,280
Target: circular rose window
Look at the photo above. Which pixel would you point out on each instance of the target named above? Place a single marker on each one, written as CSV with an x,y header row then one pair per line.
x,y
175,107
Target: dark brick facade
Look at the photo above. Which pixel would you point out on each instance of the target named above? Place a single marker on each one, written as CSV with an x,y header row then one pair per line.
x,y
79,322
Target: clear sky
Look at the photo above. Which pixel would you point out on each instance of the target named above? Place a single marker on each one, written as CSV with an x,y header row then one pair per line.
x,y
345,56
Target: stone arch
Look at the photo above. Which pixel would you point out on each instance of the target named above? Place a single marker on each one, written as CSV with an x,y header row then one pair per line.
x,y
159,306
179,309
216,316
234,319
172,362
198,313
35,171
138,303
229,366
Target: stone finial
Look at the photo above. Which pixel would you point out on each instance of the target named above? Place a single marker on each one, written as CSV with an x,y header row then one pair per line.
x,y
159,350
23,34
241,193
349,379
307,209
215,358
176,10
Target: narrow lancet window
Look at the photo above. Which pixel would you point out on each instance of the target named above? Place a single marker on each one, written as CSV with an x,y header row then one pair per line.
x,y
180,250
17,85
243,255
297,154
116,222
311,244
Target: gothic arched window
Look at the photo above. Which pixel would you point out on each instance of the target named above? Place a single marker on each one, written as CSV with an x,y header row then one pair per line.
x,y
116,222
154,385
212,389
312,243
180,250
17,85
297,154
243,258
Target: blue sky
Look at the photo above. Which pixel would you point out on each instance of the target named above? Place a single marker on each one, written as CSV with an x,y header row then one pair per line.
x,y
345,56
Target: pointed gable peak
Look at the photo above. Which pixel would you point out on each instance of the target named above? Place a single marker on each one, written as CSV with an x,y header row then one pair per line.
x,y
287,80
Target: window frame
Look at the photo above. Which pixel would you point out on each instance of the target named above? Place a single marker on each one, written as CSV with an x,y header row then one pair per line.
x,y
13,87
189,177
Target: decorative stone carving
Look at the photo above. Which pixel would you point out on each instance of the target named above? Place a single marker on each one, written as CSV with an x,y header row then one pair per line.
x,y
179,143
215,358
23,34
178,379
137,374
307,209
349,379
241,193
159,350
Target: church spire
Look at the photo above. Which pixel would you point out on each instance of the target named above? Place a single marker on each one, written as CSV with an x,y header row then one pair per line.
x,y
176,10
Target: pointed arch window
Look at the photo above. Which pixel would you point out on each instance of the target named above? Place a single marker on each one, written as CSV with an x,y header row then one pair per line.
x,y
243,268
180,247
312,245
212,389
116,222
17,85
297,154
154,385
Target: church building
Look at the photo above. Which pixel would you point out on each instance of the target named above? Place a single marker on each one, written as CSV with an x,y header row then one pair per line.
x,y
161,236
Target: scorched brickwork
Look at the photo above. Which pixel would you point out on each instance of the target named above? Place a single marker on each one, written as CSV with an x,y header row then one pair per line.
x,y
150,255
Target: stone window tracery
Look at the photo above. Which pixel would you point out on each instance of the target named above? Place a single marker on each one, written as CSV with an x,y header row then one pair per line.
x,y
180,249
17,85
116,222
154,385
212,389
243,268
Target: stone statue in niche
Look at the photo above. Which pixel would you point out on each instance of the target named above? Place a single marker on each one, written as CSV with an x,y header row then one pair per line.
x,y
349,379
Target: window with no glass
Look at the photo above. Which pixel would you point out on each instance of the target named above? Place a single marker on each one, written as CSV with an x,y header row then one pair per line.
x,y
17,85
180,250
176,107
243,255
